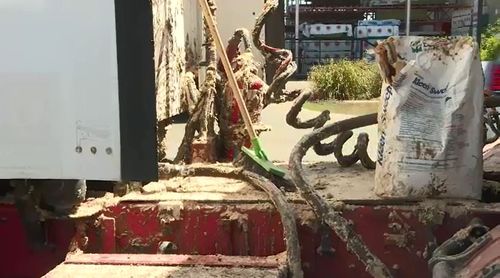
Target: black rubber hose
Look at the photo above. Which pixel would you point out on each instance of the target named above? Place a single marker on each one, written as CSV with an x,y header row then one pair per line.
x,y
332,218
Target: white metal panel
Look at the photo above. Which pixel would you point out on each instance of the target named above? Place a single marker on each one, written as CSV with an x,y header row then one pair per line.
x,y
59,90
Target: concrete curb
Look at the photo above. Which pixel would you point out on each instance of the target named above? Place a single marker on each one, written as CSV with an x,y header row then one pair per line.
x,y
346,101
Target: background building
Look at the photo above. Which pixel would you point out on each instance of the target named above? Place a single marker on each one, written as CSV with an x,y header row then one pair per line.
x,y
336,29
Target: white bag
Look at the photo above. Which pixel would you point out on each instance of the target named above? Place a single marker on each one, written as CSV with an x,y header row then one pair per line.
x,y
430,119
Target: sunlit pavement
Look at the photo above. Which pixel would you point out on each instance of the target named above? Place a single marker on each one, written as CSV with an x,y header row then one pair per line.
x,y
279,142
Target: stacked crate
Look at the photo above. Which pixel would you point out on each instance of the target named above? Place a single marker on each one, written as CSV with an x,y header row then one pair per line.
x,y
323,42
369,31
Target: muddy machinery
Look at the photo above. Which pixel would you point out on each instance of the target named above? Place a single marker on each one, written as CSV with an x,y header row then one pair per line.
x,y
78,112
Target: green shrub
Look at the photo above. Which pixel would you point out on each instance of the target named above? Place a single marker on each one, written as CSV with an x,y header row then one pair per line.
x,y
490,48
346,80
490,42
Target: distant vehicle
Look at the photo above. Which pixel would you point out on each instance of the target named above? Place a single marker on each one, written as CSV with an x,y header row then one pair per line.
x,y
491,71
492,76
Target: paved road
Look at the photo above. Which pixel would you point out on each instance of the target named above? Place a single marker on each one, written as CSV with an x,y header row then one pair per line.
x,y
279,142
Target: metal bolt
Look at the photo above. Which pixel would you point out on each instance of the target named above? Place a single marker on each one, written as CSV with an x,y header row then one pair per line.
x,y
93,150
109,150
78,149
167,247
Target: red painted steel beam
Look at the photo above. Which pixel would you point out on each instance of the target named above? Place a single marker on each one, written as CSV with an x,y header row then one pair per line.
x,y
397,234
176,260
17,259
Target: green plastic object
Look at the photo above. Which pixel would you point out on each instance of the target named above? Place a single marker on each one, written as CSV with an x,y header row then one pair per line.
x,y
257,154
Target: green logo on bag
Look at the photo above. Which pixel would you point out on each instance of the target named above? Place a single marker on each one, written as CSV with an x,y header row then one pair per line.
x,y
416,46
